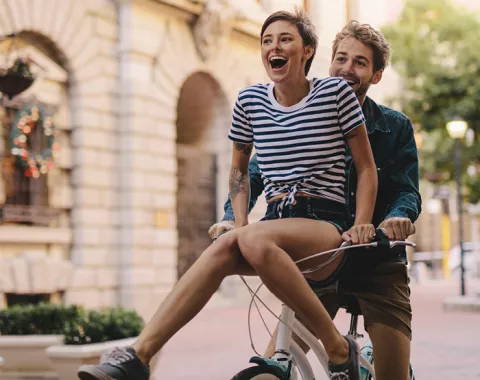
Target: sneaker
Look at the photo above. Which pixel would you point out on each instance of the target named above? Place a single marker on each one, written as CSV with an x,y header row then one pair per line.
x,y
349,370
120,363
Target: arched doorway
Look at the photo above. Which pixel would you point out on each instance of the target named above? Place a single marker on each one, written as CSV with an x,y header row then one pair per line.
x,y
202,126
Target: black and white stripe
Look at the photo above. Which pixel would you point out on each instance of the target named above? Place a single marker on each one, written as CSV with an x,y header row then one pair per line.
x,y
300,148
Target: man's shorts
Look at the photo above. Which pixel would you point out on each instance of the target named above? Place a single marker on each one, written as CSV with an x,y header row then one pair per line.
x,y
382,290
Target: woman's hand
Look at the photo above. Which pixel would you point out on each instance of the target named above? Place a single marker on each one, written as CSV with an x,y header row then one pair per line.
x,y
220,228
359,234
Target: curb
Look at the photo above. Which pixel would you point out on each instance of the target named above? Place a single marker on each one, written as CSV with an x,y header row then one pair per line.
x,y
462,303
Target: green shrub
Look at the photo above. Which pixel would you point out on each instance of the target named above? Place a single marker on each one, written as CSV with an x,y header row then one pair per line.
x,y
102,326
38,319
79,326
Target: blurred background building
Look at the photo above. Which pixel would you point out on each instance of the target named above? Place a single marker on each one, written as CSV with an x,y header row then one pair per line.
x,y
141,93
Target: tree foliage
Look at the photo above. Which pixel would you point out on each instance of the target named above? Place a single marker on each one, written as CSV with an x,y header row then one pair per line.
x,y
436,49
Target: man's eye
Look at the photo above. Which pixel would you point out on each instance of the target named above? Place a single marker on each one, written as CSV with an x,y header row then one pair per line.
x,y
361,63
340,59
266,41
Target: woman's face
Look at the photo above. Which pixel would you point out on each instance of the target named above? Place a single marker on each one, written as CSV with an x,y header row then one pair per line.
x,y
283,53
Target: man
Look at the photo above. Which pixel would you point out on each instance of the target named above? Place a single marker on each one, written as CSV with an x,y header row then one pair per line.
x,y
379,280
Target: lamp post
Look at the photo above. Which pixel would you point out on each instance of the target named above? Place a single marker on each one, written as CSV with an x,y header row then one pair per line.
x,y
456,129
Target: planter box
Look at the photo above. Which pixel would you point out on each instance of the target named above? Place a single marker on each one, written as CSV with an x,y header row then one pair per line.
x,y
66,359
24,356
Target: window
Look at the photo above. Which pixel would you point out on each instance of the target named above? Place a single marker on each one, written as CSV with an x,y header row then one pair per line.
x,y
41,196
24,196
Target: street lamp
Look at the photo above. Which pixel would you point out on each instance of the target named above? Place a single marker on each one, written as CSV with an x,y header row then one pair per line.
x,y
456,129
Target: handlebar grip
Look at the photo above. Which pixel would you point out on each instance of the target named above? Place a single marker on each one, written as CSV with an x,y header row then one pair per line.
x,y
384,242
381,238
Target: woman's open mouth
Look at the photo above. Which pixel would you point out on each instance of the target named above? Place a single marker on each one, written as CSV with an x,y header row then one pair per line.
x,y
277,62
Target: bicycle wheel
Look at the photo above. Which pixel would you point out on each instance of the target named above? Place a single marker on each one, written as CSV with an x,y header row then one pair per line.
x,y
264,372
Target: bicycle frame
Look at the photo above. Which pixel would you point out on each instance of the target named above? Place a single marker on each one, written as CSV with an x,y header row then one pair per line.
x,y
285,346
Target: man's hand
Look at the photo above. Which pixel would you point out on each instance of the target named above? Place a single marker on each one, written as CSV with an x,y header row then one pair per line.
x,y
397,228
359,234
220,227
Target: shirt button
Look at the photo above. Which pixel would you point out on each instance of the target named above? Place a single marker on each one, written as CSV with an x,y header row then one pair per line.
x,y
352,193
353,215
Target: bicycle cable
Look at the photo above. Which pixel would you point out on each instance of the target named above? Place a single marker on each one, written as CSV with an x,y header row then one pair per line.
x,y
254,295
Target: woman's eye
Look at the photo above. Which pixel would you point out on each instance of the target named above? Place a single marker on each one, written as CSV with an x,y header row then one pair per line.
x,y
340,59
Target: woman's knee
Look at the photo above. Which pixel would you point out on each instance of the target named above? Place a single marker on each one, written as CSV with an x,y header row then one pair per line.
x,y
255,246
224,253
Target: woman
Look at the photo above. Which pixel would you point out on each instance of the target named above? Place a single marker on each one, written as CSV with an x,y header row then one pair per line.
x,y
300,130
316,117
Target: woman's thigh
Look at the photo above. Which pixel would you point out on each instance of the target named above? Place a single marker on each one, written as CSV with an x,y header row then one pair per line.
x,y
299,237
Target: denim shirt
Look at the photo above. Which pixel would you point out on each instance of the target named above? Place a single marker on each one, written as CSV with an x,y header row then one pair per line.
x,y
395,152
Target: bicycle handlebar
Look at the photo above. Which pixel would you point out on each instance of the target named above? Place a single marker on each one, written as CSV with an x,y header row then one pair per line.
x,y
346,245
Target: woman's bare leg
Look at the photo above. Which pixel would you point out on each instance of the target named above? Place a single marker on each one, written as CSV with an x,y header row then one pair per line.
x,y
191,293
265,245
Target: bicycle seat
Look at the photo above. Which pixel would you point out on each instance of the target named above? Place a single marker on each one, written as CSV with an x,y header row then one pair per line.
x,y
351,305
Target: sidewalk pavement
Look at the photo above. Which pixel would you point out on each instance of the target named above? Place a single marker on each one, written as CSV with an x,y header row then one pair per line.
x,y
215,345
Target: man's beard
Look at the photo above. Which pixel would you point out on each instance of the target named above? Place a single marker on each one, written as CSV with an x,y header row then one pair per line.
x,y
362,90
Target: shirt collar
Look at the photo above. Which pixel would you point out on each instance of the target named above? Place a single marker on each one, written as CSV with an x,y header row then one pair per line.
x,y
374,117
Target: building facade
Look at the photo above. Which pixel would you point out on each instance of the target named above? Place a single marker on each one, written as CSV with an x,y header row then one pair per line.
x,y
141,93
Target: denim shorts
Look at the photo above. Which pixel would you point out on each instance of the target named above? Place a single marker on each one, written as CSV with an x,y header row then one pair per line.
x,y
312,208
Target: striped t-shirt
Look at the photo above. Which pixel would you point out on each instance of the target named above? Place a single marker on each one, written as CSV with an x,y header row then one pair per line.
x,y
299,148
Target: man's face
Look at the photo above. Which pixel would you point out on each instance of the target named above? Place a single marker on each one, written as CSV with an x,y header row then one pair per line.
x,y
353,61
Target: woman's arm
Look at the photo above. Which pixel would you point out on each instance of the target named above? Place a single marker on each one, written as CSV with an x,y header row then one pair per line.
x,y
367,181
256,189
239,183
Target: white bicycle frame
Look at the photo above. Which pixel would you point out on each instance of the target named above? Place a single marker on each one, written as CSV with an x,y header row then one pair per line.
x,y
285,346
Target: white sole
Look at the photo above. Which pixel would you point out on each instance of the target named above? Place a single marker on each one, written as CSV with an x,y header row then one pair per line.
x,y
90,372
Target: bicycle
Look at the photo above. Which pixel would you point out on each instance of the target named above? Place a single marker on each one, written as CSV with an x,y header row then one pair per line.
x,y
289,357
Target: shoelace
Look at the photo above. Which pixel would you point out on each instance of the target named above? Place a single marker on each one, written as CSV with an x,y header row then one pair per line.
x,y
340,375
116,356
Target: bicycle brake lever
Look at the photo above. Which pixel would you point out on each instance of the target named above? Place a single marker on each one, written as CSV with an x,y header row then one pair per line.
x,y
402,242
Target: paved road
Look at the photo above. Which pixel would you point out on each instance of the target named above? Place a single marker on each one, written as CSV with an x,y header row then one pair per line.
x,y
445,346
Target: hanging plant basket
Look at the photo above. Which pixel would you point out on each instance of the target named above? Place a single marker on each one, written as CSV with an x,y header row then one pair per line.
x,y
18,77
12,83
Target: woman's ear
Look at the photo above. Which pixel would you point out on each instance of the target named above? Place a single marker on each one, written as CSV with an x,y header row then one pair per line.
x,y
308,52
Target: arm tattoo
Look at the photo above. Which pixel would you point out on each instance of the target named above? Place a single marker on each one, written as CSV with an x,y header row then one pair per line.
x,y
237,183
246,149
